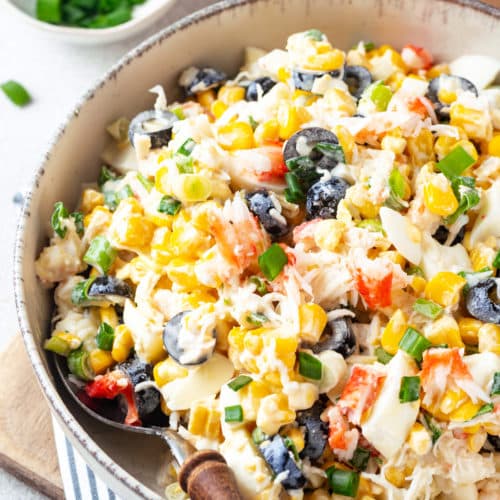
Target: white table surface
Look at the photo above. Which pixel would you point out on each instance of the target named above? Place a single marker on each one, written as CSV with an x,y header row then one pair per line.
x,y
55,74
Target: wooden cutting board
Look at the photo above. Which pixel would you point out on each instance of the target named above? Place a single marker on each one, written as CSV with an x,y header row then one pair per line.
x,y
27,448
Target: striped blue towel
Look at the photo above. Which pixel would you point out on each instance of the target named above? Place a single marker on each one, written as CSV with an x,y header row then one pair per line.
x,y
79,480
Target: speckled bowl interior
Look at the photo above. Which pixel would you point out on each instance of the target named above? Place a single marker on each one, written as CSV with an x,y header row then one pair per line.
x,y
216,36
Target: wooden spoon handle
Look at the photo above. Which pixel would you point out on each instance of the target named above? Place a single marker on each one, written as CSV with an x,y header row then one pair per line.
x,y
205,475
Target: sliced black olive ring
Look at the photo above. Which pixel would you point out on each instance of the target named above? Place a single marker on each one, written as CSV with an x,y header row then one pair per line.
x,y
157,125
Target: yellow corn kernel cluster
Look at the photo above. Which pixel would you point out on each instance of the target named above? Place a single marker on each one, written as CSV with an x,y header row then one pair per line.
x,y
254,349
181,271
340,101
444,330
250,397
122,344
267,132
189,236
421,148
206,98
204,420
100,361
439,197
494,146
231,95
274,413
489,338
390,61
452,400
476,123
129,227
236,135
328,234
160,249
290,118
469,328
358,196
394,331
108,315
90,200
312,321
445,288
482,256
167,370
419,439
465,411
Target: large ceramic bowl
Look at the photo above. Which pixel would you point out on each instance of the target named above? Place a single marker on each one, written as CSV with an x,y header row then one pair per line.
x,y
131,464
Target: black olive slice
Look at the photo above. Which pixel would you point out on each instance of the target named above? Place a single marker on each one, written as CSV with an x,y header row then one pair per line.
x,y
357,78
304,80
338,336
261,205
442,233
194,80
171,341
265,84
157,125
480,304
323,198
316,431
280,459
108,288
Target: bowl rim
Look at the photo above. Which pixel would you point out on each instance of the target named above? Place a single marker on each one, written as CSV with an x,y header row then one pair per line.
x,y
57,405
75,31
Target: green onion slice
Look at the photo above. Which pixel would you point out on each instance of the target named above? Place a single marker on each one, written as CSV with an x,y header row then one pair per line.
x,y
256,319
58,345
415,271
100,254
414,343
455,162
310,366
239,382
373,225
105,337
272,261
187,147
79,293
293,191
78,219
106,175
382,355
315,34
147,184
496,261
427,308
343,482
58,215
259,436
169,205
179,113
409,390
78,364
16,93
495,386
260,286
233,413
467,196
379,94
252,122
487,408
360,458
397,183
432,427
291,446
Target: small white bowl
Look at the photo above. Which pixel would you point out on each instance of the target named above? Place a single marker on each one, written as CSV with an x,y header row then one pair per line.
x,y
143,16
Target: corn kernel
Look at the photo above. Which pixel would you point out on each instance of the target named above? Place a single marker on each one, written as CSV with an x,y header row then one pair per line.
x,y
182,272
167,370
444,330
328,233
469,328
231,95
465,411
439,198
445,288
109,316
489,338
346,140
236,135
205,421
419,440
218,108
395,144
482,256
100,361
274,413
329,60
312,320
452,400
206,98
418,284
395,475
288,120
476,123
90,200
267,132
295,434
476,441
340,101
394,256
421,147
283,74
494,146
437,70
122,344
100,218
393,332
